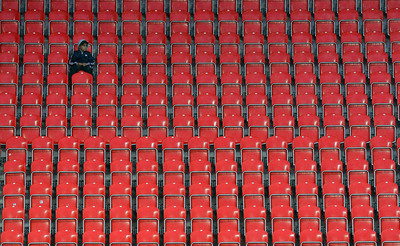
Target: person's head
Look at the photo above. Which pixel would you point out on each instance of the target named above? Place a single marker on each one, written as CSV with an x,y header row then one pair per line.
x,y
83,45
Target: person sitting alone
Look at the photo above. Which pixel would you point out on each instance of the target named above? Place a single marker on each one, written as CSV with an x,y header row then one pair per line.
x,y
81,60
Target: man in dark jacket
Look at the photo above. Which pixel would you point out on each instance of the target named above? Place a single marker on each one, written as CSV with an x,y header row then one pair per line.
x,y
81,60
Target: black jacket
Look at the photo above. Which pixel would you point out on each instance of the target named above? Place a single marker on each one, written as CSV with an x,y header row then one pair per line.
x,y
81,57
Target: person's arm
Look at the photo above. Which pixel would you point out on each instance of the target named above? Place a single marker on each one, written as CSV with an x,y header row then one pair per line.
x,y
73,60
90,60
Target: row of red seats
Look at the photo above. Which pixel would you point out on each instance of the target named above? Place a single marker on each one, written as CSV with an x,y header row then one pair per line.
x,y
224,5
233,126
63,5
355,148
43,147
183,84
323,15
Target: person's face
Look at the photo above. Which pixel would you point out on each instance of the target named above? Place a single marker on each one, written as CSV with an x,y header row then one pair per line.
x,y
84,47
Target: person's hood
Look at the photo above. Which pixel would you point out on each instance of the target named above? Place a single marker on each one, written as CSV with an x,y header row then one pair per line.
x,y
81,41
